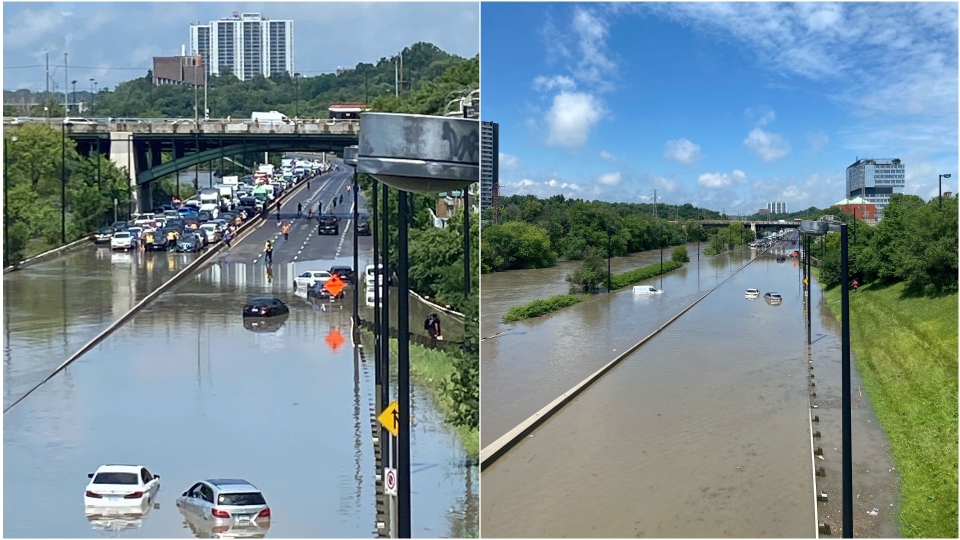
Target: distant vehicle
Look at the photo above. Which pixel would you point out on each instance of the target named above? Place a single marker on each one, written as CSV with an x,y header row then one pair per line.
x,y
265,307
103,235
344,272
328,225
645,289
752,294
308,278
271,117
781,258
212,231
226,506
368,275
121,486
773,298
123,240
78,121
363,227
119,225
204,216
319,291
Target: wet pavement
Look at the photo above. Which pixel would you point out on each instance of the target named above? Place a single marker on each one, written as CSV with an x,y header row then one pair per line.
x,y
720,395
190,390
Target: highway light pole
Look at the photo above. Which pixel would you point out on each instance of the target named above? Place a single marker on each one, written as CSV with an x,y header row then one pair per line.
x,y
63,182
6,208
609,234
942,176
296,111
350,154
819,229
75,96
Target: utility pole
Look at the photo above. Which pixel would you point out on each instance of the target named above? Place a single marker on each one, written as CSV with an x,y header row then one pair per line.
x,y
655,214
47,79
66,99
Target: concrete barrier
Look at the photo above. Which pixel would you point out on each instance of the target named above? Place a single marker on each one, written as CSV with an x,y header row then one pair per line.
x,y
438,307
195,266
48,254
495,450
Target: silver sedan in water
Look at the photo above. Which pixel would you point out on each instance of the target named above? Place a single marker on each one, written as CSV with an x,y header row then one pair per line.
x,y
226,506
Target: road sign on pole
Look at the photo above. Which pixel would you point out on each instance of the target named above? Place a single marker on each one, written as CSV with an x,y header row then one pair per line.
x,y
390,481
334,285
390,418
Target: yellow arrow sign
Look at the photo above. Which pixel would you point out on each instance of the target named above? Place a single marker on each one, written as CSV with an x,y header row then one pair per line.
x,y
806,281
390,418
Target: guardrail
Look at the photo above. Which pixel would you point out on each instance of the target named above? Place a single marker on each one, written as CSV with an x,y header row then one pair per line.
x,y
48,254
163,126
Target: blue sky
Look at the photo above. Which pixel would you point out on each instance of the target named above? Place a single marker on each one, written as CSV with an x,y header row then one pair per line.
x,y
726,106
116,41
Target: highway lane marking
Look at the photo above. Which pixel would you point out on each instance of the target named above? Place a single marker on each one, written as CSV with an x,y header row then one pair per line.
x,y
344,235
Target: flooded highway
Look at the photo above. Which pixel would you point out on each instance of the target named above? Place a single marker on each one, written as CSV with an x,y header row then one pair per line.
x,y
523,371
192,391
702,432
52,308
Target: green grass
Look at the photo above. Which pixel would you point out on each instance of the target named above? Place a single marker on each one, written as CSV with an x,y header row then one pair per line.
x,y
906,351
639,274
541,307
430,367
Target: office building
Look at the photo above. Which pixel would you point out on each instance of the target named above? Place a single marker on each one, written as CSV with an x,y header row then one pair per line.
x,y
181,69
777,207
489,163
245,45
858,208
875,180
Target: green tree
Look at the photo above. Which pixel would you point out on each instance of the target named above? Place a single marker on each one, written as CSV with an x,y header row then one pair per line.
x,y
680,254
591,274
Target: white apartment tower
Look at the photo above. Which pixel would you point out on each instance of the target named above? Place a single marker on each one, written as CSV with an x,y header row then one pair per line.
x,y
246,45
777,207
875,180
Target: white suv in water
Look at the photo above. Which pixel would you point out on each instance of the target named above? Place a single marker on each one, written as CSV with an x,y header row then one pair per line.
x,y
225,506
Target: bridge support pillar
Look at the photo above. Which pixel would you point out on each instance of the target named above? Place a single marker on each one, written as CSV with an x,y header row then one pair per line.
x,y
122,155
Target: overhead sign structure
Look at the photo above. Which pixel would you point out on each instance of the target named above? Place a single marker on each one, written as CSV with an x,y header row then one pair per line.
x,y
390,481
335,340
334,285
390,418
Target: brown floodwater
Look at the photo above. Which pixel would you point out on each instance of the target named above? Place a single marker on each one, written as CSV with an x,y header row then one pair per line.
x,y
702,432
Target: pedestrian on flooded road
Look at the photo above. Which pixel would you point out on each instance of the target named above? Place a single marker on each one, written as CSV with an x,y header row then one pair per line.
x,y
308,185
278,217
319,207
268,252
286,232
341,198
299,209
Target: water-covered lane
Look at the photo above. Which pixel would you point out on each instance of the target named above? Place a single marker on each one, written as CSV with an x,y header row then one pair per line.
x,y
701,432
52,308
523,371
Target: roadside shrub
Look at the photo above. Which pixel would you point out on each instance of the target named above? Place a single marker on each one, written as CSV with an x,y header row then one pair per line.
x,y
680,254
540,307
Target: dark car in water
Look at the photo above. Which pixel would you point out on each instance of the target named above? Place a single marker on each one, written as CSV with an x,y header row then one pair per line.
x,y
343,272
328,225
363,227
318,291
265,306
103,235
189,243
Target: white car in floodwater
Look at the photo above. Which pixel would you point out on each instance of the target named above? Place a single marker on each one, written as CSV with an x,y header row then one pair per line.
x,y
752,294
121,488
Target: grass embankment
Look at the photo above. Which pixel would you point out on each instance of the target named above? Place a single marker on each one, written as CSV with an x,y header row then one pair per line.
x,y
556,303
541,307
906,351
430,368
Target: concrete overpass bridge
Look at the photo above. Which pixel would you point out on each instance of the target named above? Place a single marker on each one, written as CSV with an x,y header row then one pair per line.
x,y
755,225
137,145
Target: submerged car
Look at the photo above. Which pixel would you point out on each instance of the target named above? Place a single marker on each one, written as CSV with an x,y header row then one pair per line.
x,y
773,298
265,307
328,225
319,291
189,243
646,289
343,272
129,487
308,278
103,235
363,227
752,294
265,324
228,506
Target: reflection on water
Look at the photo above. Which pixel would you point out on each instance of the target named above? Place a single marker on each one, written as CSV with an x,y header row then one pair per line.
x,y
278,408
52,308
205,529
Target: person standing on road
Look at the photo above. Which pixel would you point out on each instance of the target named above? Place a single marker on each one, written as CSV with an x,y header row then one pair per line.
x,y
227,237
286,232
299,210
308,185
268,252
278,216
319,207
341,198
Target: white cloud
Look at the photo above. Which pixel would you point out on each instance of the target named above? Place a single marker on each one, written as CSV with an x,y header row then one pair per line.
x,y
669,185
594,65
769,146
721,180
609,179
682,150
509,162
557,82
607,155
761,116
541,188
572,117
